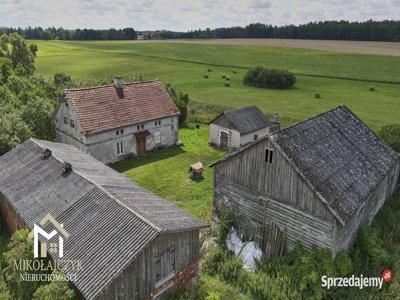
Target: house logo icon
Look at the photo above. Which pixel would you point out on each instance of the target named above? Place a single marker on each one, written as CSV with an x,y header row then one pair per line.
x,y
41,249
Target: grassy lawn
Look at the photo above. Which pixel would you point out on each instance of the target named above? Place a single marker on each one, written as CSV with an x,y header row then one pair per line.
x,y
183,65
166,172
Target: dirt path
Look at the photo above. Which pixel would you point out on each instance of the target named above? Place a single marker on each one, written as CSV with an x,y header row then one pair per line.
x,y
378,48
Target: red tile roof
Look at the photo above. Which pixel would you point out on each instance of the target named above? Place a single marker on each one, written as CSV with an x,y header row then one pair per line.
x,y
102,108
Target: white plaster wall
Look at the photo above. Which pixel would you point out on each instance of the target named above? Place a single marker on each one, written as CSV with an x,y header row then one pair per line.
x,y
248,138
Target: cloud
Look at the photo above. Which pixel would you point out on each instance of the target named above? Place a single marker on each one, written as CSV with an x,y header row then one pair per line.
x,y
184,15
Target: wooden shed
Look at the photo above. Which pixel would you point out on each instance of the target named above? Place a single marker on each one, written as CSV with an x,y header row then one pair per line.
x,y
131,243
238,127
317,181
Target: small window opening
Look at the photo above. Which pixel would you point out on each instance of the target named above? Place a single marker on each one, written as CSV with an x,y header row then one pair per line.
x,y
268,155
255,137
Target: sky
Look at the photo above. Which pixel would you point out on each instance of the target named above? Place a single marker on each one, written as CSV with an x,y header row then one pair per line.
x,y
184,15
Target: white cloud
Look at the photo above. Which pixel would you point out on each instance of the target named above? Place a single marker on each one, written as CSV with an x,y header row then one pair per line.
x,y
187,14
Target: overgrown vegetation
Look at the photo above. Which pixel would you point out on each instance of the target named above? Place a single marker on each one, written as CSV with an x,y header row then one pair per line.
x,y
297,275
181,100
269,78
391,135
27,101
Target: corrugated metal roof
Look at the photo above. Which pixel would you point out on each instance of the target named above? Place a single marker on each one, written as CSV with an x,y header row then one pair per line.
x,y
110,219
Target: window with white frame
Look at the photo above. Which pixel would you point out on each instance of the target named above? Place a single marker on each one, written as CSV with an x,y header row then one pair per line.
x,y
120,148
157,137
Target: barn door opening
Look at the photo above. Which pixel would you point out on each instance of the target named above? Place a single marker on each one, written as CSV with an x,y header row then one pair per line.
x,y
224,139
274,241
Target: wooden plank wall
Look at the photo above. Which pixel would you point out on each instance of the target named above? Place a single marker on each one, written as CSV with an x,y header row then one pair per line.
x,y
278,180
139,278
255,214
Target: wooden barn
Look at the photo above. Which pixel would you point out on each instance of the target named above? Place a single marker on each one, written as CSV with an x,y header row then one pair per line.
x,y
131,243
238,127
315,182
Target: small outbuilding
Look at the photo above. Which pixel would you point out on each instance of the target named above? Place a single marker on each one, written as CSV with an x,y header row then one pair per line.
x,y
238,127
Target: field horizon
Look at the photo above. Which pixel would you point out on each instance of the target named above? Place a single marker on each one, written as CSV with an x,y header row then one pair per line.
x,y
340,78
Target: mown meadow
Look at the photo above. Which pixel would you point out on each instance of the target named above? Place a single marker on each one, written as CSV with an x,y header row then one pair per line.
x,y
184,65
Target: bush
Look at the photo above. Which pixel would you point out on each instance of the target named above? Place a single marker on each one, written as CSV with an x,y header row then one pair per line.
x,y
391,135
231,269
269,78
212,260
225,222
181,100
178,294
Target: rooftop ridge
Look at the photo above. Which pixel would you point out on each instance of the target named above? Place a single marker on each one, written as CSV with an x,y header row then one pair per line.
x,y
37,142
109,85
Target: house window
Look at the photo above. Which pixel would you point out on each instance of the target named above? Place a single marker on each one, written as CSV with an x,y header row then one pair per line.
x,y
120,148
159,122
72,123
157,137
255,137
66,104
155,123
121,131
138,127
65,120
268,155
142,126
172,120
117,132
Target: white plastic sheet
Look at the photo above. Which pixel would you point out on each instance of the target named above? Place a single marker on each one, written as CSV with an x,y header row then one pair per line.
x,y
249,252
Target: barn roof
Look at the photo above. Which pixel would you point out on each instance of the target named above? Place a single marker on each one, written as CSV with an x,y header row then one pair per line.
x,y
110,219
338,154
105,107
247,119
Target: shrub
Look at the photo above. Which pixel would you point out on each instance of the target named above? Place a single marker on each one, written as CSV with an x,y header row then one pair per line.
x,y
55,290
391,135
269,78
225,222
212,260
178,294
231,269
181,100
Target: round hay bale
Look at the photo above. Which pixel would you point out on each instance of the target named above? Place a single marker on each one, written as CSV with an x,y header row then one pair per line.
x,y
234,72
372,89
209,70
227,78
205,76
227,84
223,76
317,95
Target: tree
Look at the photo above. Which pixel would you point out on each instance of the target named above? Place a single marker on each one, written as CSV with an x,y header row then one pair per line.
x,y
269,78
59,290
19,248
181,100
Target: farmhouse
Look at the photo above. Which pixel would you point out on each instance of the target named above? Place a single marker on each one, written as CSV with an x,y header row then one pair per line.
x,y
131,244
315,182
238,127
113,121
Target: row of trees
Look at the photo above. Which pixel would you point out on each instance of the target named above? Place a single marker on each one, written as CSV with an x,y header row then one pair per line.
x,y
388,31
52,33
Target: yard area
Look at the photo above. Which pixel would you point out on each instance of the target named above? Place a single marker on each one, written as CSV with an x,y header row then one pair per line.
x,y
165,172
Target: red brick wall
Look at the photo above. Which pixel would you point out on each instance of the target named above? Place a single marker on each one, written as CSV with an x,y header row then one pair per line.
x,y
185,278
8,217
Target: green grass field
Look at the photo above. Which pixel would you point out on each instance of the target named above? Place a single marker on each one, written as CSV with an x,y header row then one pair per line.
x,y
183,65
166,172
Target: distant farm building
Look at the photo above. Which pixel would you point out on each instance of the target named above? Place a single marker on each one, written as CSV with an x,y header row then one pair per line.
x,y
114,121
315,182
238,127
131,243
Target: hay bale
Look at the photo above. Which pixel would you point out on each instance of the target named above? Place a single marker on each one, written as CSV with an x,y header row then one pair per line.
x,y
372,89
234,72
223,76
205,76
227,78
317,95
209,70
227,84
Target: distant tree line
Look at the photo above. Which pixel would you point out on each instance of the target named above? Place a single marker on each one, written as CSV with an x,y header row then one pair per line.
x,y
52,33
388,31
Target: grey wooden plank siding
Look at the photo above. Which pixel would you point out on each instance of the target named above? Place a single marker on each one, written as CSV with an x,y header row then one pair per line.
x,y
278,180
139,278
